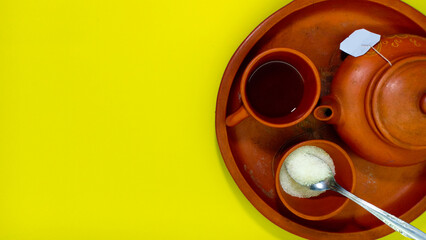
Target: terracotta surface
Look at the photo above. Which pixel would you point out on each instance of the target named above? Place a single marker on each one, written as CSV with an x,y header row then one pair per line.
x,y
249,149
384,103
310,96
328,204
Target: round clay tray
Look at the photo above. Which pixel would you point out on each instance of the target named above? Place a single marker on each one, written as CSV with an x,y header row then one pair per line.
x,y
249,149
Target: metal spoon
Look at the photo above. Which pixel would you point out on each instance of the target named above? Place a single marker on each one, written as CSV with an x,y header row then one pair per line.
x,y
397,224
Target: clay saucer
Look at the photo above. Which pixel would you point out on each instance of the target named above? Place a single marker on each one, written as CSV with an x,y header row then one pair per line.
x,y
249,149
329,203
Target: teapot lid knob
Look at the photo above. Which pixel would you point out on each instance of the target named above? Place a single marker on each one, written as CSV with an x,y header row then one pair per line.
x,y
423,103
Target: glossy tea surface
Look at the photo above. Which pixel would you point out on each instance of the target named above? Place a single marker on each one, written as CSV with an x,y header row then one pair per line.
x,y
275,89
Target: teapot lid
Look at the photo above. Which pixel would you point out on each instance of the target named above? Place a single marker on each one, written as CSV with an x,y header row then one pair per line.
x,y
398,103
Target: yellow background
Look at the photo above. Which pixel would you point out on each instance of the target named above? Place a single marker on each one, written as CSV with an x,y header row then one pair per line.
x,y
107,113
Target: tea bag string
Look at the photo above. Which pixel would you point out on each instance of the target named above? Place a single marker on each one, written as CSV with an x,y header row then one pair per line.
x,y
379,54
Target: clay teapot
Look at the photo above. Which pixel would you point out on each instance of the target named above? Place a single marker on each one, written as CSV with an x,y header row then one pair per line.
x,y
379,108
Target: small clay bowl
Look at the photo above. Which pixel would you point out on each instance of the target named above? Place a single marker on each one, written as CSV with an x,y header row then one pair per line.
x,y
329,203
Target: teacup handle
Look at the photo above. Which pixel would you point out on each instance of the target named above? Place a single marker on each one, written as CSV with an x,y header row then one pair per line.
x,y
237,117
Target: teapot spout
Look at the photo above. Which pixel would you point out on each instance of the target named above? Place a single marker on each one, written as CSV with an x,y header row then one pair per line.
x,y
329,110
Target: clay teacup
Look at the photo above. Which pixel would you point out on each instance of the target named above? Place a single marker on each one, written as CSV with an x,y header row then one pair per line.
x,y
279,88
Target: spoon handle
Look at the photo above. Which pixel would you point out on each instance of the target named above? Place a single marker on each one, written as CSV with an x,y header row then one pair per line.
x,y
397,224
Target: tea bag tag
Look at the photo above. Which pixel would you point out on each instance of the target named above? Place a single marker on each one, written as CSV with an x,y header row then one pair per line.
x,y
359,42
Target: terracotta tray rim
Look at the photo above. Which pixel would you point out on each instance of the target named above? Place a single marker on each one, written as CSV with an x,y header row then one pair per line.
x,y
222,136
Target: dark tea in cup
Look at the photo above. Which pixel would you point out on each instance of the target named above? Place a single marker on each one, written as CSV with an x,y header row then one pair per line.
x,y
279,88
275,89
